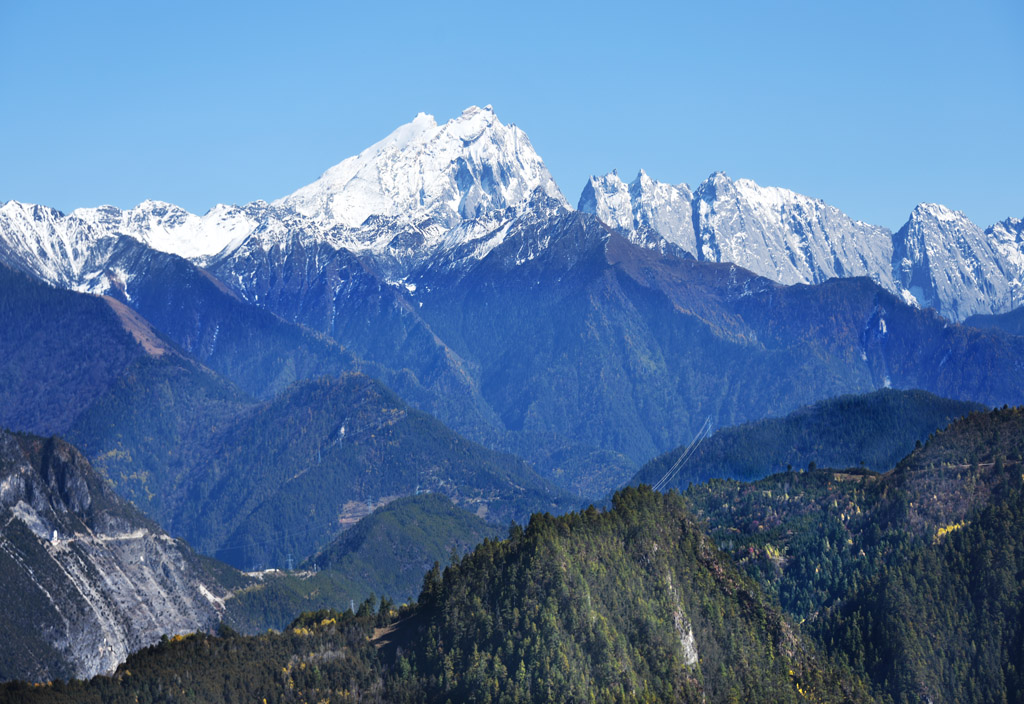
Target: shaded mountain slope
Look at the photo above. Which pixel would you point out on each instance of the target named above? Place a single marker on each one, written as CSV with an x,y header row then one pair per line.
x,y
202,457
874,430
1011,322
602,342
155,421
333,292
256,350
386,553
405,538
60,351
293,472
550,336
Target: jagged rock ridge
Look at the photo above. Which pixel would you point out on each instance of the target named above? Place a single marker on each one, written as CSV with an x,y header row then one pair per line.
x,y
938,259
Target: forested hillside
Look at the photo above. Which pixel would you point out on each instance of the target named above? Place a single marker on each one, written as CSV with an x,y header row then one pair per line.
x,y
873,431
891,570
821,585
59,352
253,482
402,540
385,554
294,472
632,604
612,346
944,623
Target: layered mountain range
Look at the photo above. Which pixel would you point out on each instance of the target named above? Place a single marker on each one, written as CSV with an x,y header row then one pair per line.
x,y
827,585
432,196
445,262
432,315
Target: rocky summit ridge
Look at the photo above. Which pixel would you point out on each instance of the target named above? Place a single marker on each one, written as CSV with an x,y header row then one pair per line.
x,y
938,259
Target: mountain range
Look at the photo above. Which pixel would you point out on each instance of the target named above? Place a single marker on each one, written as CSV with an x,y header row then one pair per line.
x,y
434,196
938,259
428,342
250,480
869,431
445,262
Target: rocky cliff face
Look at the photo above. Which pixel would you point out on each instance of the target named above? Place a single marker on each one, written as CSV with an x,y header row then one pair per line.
x,y
87,579
946,262
649,212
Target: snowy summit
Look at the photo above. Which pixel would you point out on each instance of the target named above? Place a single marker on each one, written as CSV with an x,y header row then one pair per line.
x,y
445,195
465,169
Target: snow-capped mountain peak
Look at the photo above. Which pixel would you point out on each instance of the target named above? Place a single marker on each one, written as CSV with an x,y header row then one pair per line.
x,y
946,261
425,188
41,241
170,228
469,167
647,211
608,198
772,231
936,211
431,196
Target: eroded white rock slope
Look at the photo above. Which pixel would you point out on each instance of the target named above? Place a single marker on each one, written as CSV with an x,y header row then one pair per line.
x,y
101,581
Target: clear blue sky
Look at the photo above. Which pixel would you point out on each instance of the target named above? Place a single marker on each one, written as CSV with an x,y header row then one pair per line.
x,y
871,106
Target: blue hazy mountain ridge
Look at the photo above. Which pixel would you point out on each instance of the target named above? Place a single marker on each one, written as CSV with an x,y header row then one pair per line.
x,y
576,353
870,431
38,394
262,353
597,345
65,353
386,554
291,474
1011,322
601,339
185,445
